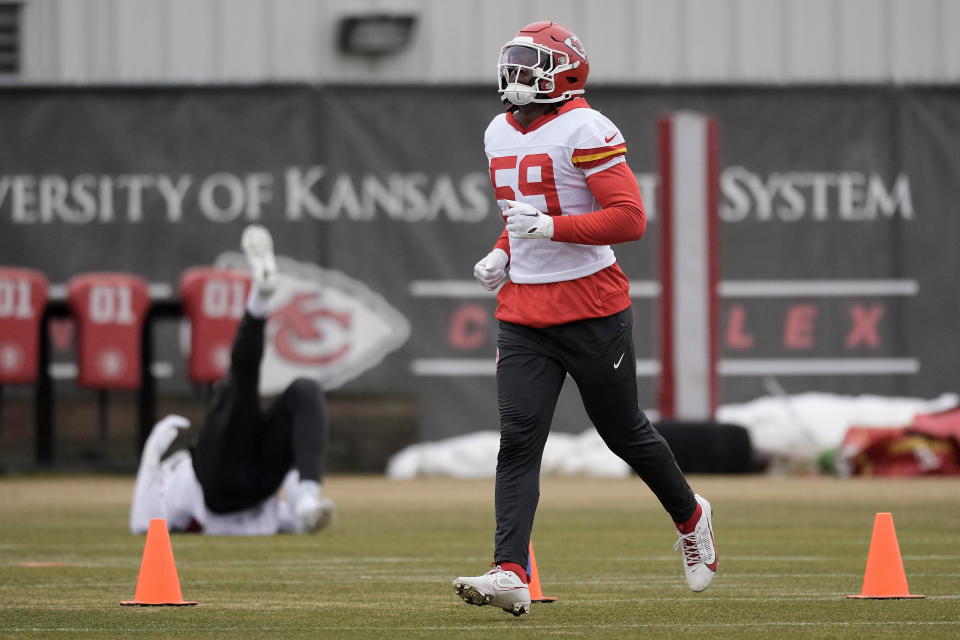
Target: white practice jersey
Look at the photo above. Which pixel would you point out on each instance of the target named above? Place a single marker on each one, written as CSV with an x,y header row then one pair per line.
x,y
547,167
171,491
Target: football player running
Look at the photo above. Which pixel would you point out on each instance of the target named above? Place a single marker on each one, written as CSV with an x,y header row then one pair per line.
x,y
560,176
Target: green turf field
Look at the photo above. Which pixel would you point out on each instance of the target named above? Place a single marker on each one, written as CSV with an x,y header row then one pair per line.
x,y
790,550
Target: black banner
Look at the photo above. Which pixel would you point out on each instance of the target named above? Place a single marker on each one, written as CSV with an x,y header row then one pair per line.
x,y
838,242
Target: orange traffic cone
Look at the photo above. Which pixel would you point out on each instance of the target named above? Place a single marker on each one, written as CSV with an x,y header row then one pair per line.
x,y
158,583
536,593
884,577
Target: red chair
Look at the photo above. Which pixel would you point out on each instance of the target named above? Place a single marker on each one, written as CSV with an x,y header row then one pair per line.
x,y
214,301
110,309
23,297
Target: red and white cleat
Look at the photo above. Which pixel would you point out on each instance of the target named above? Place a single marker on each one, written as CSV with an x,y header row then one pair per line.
x,y
699,549
496,587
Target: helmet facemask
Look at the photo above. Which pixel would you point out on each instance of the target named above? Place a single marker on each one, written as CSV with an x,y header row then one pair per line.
x,y
527,73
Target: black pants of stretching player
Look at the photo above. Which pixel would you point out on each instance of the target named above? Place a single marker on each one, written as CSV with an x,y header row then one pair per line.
x,y
243,452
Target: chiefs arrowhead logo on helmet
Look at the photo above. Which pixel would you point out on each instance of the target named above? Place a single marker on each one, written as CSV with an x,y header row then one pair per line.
x,y
574,43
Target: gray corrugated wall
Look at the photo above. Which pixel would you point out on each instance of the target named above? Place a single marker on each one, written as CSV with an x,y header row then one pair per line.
x,y
457,41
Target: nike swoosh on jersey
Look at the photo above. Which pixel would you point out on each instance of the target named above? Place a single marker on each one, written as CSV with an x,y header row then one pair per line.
x,y
616,365
609,138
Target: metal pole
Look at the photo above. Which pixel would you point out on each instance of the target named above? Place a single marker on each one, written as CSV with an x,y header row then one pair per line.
x,y
43,398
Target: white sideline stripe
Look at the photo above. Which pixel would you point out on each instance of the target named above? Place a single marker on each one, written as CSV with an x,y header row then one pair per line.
x,y
472,289
158,291
801,597
664,584
793,288
452,367
68,370
739,558
638,289
644,289
380,560
477,626
726,288
668,581
488,367
448,289
818,366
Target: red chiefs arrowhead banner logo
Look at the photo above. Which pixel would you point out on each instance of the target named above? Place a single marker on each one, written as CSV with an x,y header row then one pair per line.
x,y
323,325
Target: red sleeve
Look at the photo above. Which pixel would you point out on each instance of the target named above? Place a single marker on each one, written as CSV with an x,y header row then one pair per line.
x,y
621,218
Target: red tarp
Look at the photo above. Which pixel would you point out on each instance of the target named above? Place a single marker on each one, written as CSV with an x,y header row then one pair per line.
x,y
929,446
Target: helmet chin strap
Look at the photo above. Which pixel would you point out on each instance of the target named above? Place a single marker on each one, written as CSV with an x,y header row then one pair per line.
x,y
519,94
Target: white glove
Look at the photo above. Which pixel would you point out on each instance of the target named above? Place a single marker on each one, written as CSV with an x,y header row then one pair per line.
x,y
525,221
161,437
491,272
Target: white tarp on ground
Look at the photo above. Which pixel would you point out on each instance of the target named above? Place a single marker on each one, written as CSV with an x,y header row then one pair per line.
x,y
782,428
475,456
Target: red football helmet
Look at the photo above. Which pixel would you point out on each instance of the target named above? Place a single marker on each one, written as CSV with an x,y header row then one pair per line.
x,y
544,62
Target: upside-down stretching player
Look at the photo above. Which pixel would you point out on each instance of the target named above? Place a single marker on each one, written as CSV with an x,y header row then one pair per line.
x,y
566,192
229,482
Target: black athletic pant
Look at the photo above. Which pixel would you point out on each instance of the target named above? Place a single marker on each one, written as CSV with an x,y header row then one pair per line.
x,y
243,453
532,364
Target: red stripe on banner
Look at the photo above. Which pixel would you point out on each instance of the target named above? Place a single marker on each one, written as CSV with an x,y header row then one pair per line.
x,y
667,400
689,165
713,243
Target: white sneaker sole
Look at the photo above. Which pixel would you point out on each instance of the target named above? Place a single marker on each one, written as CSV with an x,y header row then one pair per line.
x,y
257,244
472,595
321,518
326,517
256,241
